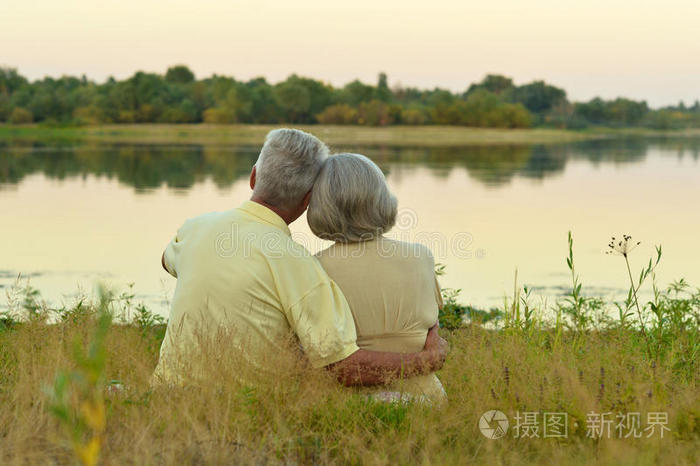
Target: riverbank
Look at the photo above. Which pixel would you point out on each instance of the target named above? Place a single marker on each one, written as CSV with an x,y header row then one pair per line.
x,y
415,136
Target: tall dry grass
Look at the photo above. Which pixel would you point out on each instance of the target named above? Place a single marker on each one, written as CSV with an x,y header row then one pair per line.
x,y
305,417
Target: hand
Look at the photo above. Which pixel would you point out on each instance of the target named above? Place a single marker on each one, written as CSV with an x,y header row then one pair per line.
x,y
436,347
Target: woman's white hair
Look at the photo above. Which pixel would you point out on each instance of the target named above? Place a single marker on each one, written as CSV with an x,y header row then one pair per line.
x,y
351,201
287,166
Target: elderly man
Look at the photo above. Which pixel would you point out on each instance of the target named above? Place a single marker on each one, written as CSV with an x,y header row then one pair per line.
x,y
241,270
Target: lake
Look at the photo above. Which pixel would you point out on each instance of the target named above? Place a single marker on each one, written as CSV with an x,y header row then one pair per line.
x,y
75,215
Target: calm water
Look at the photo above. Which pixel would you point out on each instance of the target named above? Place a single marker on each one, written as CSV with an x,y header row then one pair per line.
x,y
74,216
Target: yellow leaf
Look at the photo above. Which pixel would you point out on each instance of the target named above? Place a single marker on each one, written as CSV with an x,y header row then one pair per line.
x,y
88,454
93,413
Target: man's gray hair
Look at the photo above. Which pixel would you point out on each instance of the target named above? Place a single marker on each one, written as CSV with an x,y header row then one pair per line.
x,y
287,166
351,201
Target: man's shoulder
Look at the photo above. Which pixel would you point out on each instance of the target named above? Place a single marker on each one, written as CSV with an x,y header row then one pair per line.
x,y
193,225
205,218
282,246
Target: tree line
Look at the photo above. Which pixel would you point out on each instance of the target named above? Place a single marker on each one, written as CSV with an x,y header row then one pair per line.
x,y
178,97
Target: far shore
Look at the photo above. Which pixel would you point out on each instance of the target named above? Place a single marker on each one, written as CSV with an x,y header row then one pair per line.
x,y
414,136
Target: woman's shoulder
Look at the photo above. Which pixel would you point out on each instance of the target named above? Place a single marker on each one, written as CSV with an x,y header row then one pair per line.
x,y
336,251
331,249
406,250
381,248
323,253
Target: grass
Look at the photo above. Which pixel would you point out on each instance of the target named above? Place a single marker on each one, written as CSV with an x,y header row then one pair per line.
x,y
56,366
414,136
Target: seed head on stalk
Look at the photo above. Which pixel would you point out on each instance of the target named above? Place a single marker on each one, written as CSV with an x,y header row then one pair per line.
x,y
622,246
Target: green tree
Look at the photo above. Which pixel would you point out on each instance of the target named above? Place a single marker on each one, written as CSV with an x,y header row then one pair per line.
x,y
10,80
619,112
301,99
294,99
5,107
494,83
437,97
355,92
626,112
593,111
235,107
264,106
483,109
49,99
184,112
383,92
178,97
538,97
179,74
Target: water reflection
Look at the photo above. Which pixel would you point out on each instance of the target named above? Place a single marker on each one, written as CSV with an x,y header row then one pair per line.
x,y
139,166
145,167
78,214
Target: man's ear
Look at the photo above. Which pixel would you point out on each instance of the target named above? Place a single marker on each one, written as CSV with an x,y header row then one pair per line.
x,y
252,178
307,199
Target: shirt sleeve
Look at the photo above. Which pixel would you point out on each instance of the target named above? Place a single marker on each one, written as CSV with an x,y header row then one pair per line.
x,y
438,290
170,257
172,250
438,294
323,322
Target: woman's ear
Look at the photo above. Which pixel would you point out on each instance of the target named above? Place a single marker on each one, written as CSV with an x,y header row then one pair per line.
x,y
252,178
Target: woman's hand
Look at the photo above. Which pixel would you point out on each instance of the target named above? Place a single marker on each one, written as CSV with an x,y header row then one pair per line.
x,y
436,347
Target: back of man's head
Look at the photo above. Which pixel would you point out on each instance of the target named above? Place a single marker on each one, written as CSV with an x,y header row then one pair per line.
x,y
287,167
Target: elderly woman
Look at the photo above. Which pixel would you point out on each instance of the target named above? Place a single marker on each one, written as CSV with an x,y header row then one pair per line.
x,y
390,285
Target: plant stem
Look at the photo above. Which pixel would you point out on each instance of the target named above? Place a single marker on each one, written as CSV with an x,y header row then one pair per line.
x,y
636,303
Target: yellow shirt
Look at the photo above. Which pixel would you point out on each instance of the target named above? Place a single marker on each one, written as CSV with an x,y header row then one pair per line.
x,y
240,270
394,298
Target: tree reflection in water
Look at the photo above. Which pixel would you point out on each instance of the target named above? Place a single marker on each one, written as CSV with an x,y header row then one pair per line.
x,y
149,166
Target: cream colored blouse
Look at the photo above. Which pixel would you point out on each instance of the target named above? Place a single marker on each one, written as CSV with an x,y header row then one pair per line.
x,y
394,299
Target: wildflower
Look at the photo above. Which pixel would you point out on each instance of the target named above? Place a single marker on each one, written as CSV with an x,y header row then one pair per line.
x,y
622,246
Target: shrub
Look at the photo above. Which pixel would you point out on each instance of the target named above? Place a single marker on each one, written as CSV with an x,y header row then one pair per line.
x,y
374,113
339,114
515,116
127,116
90,115
20,116
413,116
218,116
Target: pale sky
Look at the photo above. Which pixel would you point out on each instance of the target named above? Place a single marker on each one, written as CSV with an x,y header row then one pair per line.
x,y
643,49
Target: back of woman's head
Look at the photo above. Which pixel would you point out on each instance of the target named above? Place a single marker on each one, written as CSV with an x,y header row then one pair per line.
x,y
350,200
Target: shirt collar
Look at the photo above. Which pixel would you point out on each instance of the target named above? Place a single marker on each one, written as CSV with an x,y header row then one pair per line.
x,y
265,214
